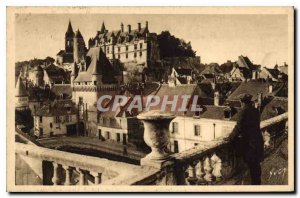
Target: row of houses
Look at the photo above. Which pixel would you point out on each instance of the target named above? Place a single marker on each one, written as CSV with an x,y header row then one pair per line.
x,y
241,70
217,115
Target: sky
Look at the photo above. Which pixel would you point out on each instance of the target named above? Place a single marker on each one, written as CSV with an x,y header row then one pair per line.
x,y
215,38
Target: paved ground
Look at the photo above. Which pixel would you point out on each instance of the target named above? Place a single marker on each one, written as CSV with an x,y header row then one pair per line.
x,y
95,147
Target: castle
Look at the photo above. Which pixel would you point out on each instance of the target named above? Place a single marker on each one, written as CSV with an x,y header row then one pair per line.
x,y
99,70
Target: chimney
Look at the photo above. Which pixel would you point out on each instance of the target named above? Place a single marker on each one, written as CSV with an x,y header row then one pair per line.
x,y
254,75
259,100
216,98
139,26
147,24
129,28
122,27
270,88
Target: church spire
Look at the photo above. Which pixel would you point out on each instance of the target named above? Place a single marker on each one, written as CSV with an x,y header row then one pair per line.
x,y
70,32
102,28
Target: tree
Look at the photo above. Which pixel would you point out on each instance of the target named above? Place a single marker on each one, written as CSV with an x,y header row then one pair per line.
x,y
170,46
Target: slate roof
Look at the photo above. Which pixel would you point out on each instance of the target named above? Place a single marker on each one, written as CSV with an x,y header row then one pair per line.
x,y
275,107
121,36
253,88
69,32
57,108
184,72
59,89
211,69
97,64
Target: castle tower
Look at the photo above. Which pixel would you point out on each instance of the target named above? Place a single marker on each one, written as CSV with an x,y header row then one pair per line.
x,y
69,39
21,96
97,72
79,47
39,76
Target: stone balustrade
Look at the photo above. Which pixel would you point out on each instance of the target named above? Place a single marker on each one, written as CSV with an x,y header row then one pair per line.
x,y
64,168
208,163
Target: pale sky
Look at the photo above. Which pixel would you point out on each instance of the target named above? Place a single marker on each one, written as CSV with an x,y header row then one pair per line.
x,y
216,38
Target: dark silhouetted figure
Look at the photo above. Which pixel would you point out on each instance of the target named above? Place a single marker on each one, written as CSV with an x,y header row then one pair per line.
x,y
248,138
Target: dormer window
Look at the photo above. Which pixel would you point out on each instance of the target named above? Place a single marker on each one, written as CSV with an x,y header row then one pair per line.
x,y
228,113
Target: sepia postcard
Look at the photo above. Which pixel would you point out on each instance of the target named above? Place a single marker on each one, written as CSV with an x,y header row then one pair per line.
x,y
150,99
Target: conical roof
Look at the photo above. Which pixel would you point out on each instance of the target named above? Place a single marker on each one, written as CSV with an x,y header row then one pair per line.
x,y
102,28
20,88
70,32
78,34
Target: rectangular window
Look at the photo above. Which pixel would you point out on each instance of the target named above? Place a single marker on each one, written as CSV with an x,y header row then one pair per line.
x,y
126,55
67,118
141,45
126,48
141,53
99,134
119,49
57,120
197,130
41,119
135,46
118,137
119,56
175,127
41,132
107,135
107,49
134,55
176,147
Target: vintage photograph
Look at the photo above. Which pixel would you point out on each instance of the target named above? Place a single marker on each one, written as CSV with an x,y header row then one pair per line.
x,y
136,99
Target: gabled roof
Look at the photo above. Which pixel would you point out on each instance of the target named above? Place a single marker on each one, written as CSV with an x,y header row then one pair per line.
x,y
211,69
254,88
272,72
184,71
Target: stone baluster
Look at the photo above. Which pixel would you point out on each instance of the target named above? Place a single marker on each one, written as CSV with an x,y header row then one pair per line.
x,y
55,179
267,138
199,172
81,177
192,179
217,167
208,170
68,175
97,177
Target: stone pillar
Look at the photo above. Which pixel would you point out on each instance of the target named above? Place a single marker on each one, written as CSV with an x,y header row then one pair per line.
x,y
68,175
97,177
156,136
55,179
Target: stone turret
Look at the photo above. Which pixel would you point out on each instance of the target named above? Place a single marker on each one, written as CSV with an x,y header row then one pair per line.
x,y
79,47
21,95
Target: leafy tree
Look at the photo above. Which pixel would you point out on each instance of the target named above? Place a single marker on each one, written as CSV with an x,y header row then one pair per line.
x,y
170,46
